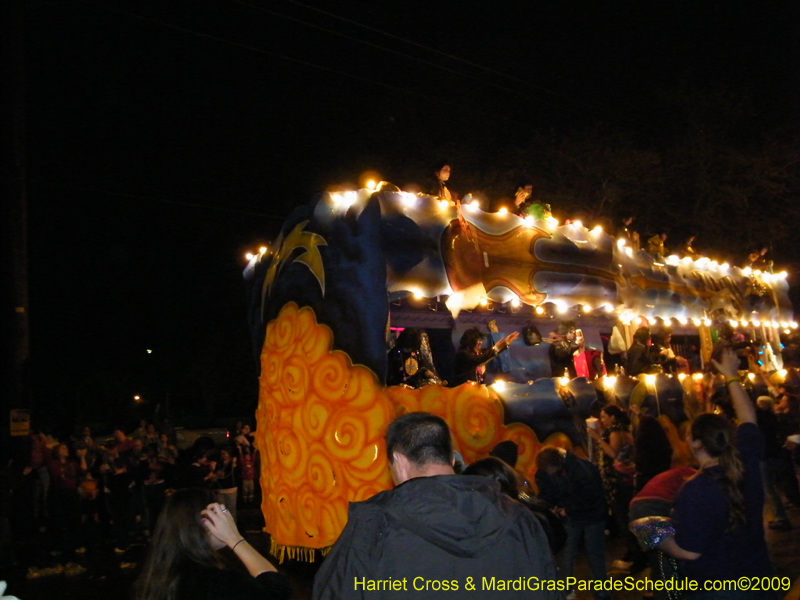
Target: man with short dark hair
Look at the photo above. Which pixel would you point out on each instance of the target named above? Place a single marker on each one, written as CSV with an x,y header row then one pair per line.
x,y
436,533
573,486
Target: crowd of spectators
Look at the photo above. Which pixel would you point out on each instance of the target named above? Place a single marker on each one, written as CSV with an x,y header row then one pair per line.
x,y
81,493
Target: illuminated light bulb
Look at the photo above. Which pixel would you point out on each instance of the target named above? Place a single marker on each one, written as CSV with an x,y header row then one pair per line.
x,y
747,271
408,199
370,185
793,324
733,323
149,351
563,380
609,381
137,397
608,306
697,322
701,263
349,199
529,221
724,267
628,251
262,249
484,302
475,204
775,324
577,224
587,308
743,323
443,204
417,294
499,385
620,243
337,198
681,376
597,229
697,376
682,320
515,302
707,322
540,310
714,265
756,272
766,278
673,260
787,331
503,211
561,308
687,260
756,323
649,379
784,324
552,222
782,275
248,256
782,373
751,376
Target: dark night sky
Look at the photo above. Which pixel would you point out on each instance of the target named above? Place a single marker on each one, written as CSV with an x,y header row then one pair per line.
x,y
167,138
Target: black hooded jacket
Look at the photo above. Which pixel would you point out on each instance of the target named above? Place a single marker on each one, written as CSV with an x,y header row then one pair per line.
x,y
446,528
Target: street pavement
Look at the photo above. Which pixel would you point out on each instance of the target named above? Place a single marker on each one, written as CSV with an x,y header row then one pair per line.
x,y
102,573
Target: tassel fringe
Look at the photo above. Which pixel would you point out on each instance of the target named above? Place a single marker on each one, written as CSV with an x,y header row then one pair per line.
x,y
283,552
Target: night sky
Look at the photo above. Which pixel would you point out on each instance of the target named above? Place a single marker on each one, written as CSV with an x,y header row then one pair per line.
x,y
167,138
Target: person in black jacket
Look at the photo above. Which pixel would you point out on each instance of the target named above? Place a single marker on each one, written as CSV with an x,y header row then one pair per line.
x,y
509,481
183,563
661,353
573,486
638,355
471,358
436,532
562,350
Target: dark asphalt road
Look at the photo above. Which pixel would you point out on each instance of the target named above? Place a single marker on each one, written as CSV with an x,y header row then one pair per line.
x,y
110,575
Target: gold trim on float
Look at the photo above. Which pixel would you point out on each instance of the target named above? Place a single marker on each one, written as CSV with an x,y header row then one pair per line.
x,y
283,552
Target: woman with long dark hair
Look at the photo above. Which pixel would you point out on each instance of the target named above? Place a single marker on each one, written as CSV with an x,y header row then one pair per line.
x,y
184,564
615,457
718,515
410,360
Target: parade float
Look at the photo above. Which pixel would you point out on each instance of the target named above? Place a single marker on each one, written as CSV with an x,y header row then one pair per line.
x,y
353,266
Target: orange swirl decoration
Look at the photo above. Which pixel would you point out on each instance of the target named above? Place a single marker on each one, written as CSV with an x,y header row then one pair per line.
x,y
321,422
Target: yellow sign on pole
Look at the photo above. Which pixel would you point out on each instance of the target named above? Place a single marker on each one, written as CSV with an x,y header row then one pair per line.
x,y
20,419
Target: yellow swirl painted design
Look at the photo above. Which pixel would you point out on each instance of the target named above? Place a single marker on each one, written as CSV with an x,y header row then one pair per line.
x,y
321,422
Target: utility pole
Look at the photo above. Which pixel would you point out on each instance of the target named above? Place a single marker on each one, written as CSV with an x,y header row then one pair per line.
x,y
14,335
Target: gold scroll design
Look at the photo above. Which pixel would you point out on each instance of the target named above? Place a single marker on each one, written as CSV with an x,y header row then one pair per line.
x,y
472,256
298,239
506,260
321,426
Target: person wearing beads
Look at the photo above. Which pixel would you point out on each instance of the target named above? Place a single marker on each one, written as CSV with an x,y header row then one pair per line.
x,y
471,359
614,454
183,562
718,514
